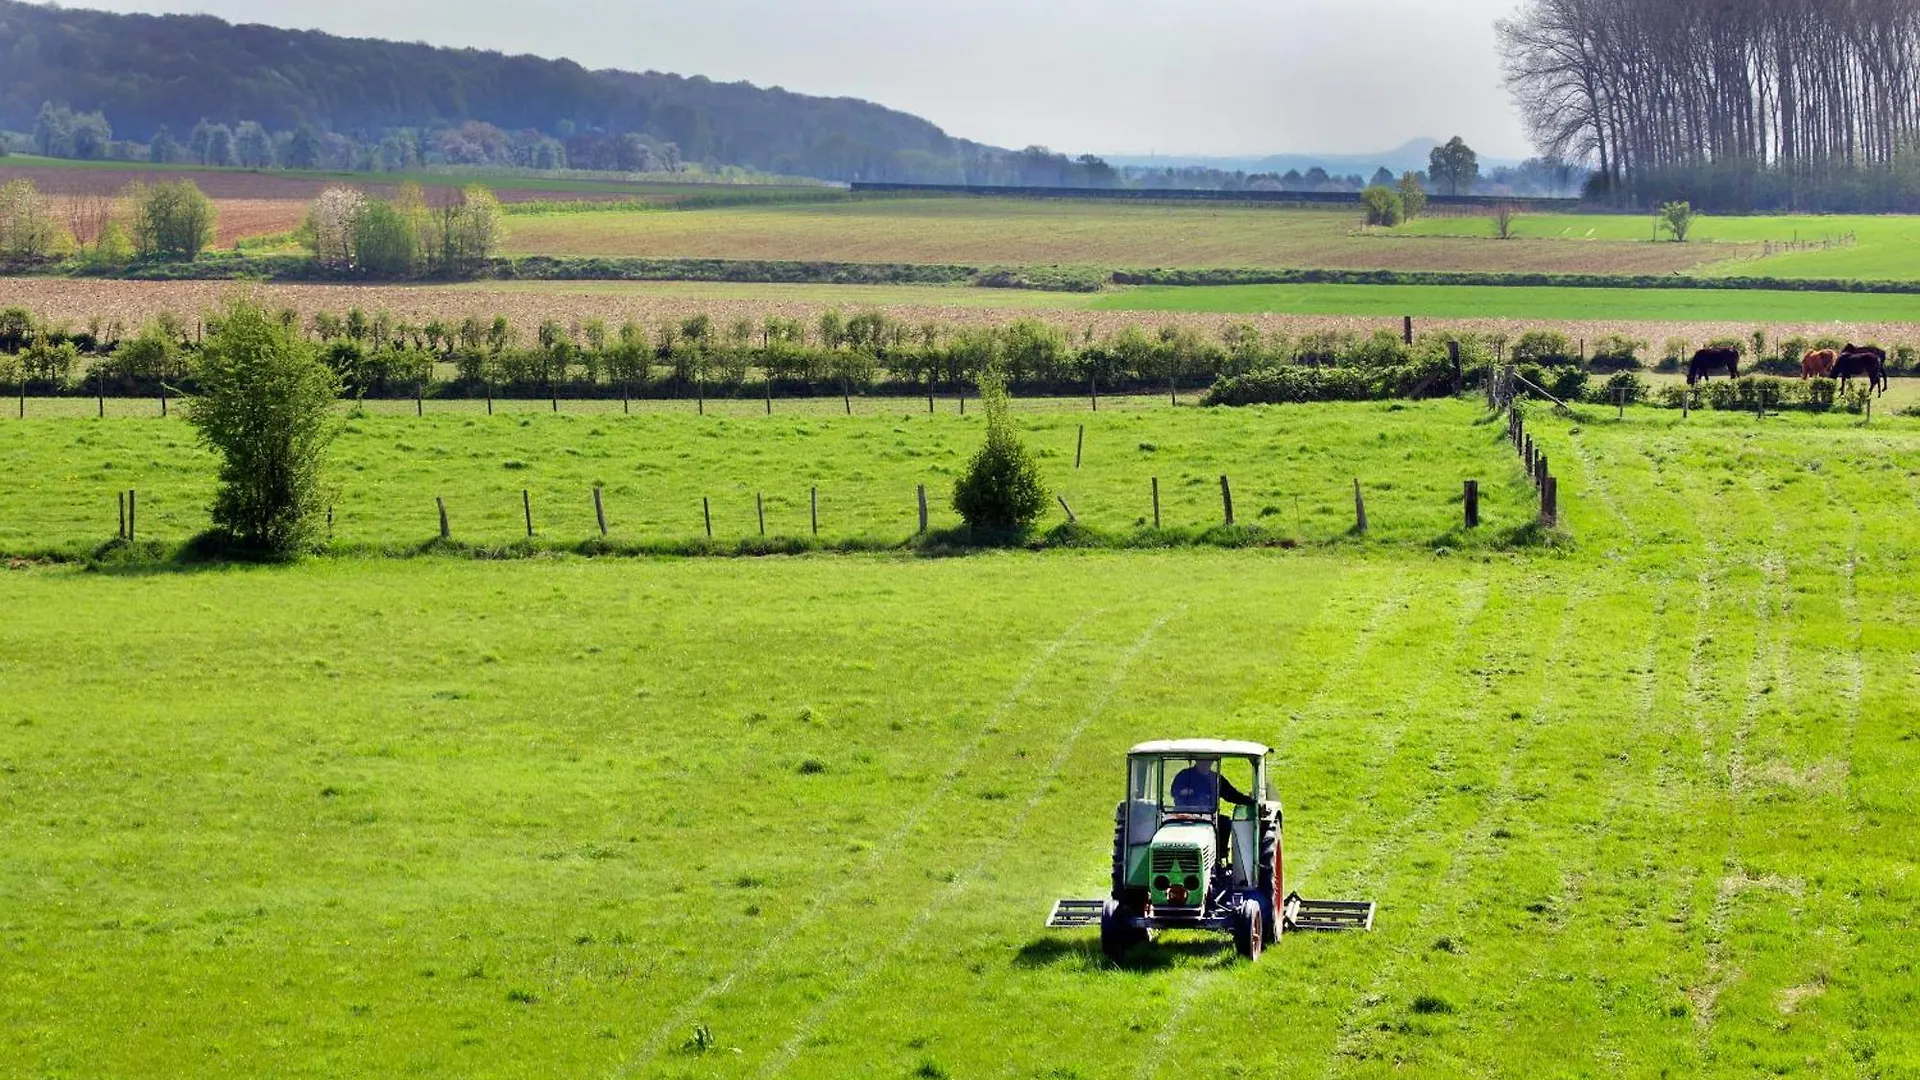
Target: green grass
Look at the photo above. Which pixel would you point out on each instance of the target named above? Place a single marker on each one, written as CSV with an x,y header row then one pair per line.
x,y
1887,247
504,180
1644,805
1291,470
1566,304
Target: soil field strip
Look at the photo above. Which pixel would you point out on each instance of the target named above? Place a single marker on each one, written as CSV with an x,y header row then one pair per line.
x,y
1583,314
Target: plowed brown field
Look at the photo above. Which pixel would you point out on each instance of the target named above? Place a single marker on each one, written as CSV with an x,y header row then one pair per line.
x,y
79,302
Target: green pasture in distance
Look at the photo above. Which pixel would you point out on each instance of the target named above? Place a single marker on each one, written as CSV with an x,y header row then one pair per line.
x,y
1644,803
1291,470
1521,302
1886,247
501,181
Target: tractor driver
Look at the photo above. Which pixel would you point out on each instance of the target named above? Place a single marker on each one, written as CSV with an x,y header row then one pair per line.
x,y
1199,788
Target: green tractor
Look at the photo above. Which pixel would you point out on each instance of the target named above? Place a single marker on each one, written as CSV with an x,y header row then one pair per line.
x,y
1197,846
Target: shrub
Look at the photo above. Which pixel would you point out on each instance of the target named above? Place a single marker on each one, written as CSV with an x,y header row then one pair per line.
x,y
49,361
1633,384
1413,197
1383,205
171,220
1543,347
1617,352
265,405
384,241
1001,491
1676,219
28,228
1674,354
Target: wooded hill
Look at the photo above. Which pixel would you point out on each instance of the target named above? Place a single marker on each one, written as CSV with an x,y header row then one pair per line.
x,y
145,71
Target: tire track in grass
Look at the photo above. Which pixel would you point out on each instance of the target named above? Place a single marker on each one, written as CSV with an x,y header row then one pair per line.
x,y
685,1014
1768,652
790,1050
1475,842
1473,605
1591,479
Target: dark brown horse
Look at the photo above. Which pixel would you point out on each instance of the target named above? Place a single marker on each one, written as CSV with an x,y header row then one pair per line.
x,y
1710,360
1868,360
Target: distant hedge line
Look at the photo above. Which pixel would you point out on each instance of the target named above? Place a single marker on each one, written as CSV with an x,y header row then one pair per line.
x,y
1045,278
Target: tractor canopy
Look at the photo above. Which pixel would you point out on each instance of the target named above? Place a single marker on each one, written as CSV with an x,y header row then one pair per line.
x,y
1169,838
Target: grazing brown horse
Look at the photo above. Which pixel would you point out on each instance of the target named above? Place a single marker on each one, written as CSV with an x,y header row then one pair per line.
x,y
1868,360
1707,360
1818,364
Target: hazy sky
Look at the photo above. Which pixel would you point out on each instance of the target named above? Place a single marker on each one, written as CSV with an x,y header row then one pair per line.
x,y
1111,76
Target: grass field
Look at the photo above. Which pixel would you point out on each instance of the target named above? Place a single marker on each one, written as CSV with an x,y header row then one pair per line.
x,y
980,231
1641,806
1885,247
1291,470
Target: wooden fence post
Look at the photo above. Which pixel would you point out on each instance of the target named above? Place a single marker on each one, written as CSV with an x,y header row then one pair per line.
x,y
700,395
163,401
133,500
706,512
122,533
769,393
526,504
1079,443
599,511
1093,390
813,508
23,397
1620,401
1071,520
1459,371
419,402
329,521
489,397
1156,502
1359,509
760,508
1686,403
930,376
100,389
1550,501
1406,329
923,508
1528,453
553,386
1226,499
846,397
445,532
1473,504
626,398
1541,472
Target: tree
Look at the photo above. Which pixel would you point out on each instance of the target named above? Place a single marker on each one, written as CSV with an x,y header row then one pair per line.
x,y
331,226
50,132
170,220
1413,197
252,147
265,406
162,149
1676,218
463,232
29,230
1381,178
1383,205
214,143
1001,492
88,136
384,240
1454,167
303,148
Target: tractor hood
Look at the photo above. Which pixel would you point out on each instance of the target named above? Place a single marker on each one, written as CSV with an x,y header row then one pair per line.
x,y
1185,833
1180,862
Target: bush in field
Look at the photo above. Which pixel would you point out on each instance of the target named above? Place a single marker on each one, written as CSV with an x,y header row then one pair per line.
x,y
152,355
1676,220
329,229
1413,197
1543,347
1617,352
459,236
1001,491
264,406
170,220
1383,205
384,240
46,360
1633,384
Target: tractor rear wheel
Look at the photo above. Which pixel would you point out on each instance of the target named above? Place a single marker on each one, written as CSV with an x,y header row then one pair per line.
x,y
1249,929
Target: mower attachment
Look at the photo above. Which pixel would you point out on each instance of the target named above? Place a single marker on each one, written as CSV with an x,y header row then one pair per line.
x,y
1302,914
1069,913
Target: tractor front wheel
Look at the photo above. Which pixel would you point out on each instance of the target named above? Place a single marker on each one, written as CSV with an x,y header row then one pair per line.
x,y
1249,926
1117,935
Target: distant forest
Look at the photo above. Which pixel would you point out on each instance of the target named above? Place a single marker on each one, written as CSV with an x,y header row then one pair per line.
x,y
198,90
1754,105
